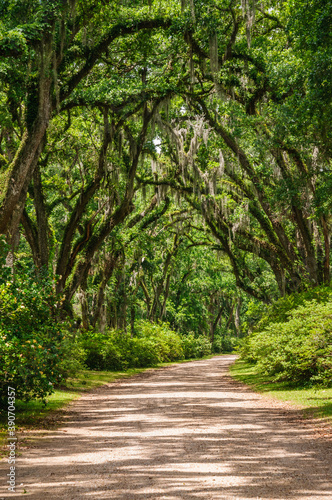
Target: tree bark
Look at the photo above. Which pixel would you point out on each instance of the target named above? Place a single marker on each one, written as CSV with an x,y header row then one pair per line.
x,y
42,221
215,323
21,169
110,264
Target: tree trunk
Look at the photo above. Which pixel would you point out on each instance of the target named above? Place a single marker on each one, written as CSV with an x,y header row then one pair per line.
x,y
326,235
42,222
132,319
215,323
110,264
237,317
21,169
84,309
31,235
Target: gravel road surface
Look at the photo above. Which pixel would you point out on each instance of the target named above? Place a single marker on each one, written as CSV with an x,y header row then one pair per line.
x,y
186,431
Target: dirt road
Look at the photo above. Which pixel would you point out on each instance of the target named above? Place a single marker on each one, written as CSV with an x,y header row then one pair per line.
x,y
183,432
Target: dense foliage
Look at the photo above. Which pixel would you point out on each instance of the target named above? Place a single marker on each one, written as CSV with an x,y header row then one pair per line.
x,y
30,341
153,344
159,161
293,339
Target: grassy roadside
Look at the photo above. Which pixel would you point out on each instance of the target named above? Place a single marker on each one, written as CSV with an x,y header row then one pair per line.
x,y
34,415
316,402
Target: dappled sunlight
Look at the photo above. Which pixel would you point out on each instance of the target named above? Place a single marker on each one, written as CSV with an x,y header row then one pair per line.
x,y
163,436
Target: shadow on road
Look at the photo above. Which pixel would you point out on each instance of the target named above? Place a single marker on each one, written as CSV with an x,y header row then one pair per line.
x,y
186,432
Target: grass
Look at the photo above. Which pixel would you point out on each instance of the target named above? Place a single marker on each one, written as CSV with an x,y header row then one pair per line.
x,y
316,402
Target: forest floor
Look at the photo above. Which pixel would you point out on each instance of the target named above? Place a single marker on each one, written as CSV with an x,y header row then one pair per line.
x,y
183,432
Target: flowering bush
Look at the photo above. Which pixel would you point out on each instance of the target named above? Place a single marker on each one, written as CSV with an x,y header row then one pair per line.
x,y
30,339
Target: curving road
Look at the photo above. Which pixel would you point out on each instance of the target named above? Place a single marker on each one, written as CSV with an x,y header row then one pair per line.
x,y
183,432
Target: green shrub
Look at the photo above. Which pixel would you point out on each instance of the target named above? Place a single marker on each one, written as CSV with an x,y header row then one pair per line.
x,y
30,339
71,357
195,347
259,316
115,350
224,343
152,344
145,352
299,349
93,344
111,357
168,342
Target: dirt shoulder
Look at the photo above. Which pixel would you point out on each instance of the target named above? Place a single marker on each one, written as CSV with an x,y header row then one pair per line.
x,y
184,432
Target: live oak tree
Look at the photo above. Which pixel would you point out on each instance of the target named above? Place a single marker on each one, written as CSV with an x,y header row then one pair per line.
x,y
264,197
48,50
79,47
138,137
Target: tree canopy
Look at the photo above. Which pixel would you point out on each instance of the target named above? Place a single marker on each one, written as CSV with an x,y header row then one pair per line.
x,y
166,160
